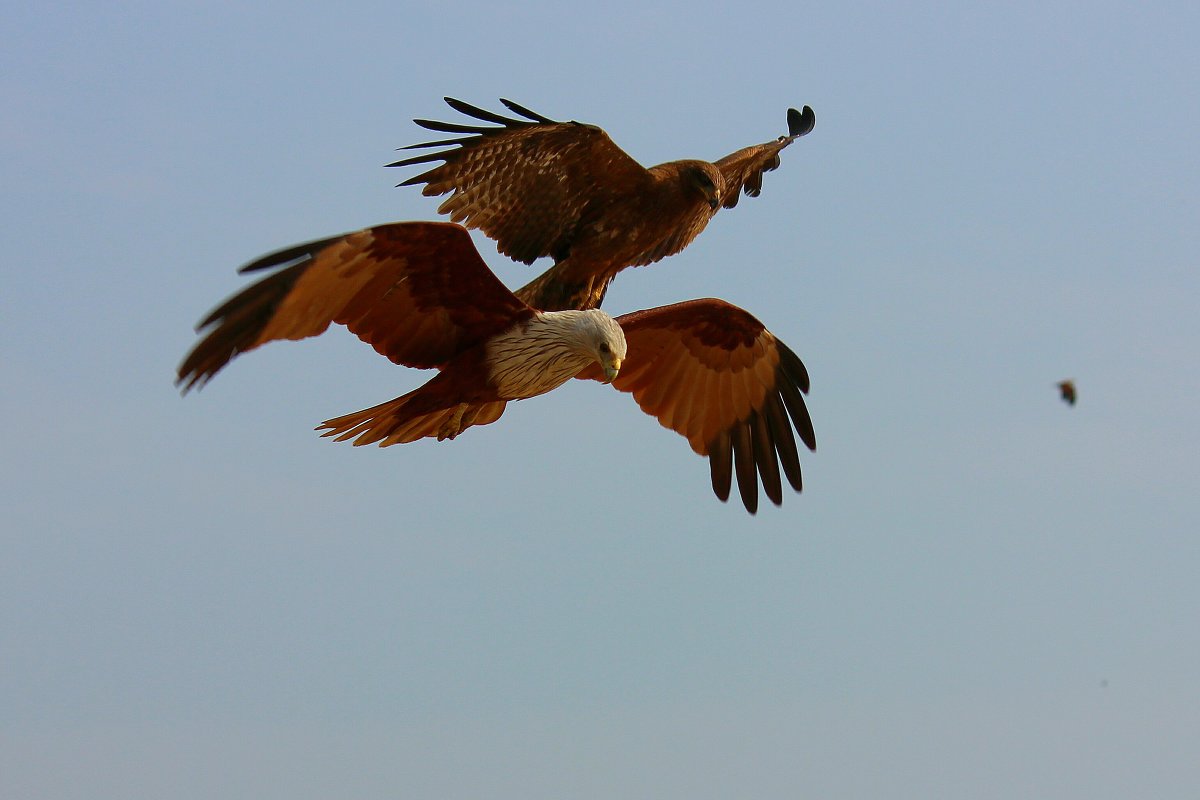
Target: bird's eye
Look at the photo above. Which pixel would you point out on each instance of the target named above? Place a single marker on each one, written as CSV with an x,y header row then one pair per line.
x,y
604,348
703,179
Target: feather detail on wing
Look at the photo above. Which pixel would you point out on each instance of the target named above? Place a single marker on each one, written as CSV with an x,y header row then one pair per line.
x,y
417,292
528,183
713,373
743,170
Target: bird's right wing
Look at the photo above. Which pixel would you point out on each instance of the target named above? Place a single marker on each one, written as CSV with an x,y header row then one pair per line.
x,y
713,373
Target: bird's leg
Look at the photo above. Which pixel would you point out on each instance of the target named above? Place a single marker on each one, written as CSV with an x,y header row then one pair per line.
x,y
454,424
462,417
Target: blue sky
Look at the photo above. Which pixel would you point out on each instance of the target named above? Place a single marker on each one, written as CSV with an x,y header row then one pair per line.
x,y
980,592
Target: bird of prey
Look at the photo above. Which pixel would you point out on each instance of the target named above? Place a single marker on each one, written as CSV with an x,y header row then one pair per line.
x,y
1066,390
420,294
540,187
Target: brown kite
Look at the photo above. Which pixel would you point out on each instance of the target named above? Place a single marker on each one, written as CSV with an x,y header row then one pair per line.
x,y
1066,390
421,295
540,187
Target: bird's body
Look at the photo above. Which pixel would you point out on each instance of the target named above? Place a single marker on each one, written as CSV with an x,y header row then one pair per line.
x,y
622,238
535,355
540,188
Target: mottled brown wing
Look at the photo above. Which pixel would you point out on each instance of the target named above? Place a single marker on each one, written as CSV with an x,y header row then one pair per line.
x,y
743,170
418,292
527,183
716,375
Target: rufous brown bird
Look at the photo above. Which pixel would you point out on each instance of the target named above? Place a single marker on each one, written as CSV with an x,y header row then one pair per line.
x,y
540,187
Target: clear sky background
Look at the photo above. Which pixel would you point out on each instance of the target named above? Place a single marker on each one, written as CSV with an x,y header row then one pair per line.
x,y
980,593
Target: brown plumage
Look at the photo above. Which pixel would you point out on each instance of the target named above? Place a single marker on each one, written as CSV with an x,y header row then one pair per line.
x,y
1066,390
421,295
540,187
711,372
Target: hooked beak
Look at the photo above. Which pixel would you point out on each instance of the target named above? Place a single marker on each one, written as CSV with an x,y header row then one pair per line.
x,y
714,201
611,370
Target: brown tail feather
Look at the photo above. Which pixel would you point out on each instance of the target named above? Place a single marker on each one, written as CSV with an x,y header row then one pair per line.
x,y
401,420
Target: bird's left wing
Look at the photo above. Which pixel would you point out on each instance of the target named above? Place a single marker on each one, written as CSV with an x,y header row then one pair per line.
x,y
527,181
743,170
418,292
713,373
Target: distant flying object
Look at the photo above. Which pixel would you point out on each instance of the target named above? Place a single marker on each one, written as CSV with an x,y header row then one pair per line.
x,y
421,295
540,187
1067,390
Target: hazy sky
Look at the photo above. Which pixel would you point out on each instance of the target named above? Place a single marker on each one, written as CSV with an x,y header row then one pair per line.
x,y
980,593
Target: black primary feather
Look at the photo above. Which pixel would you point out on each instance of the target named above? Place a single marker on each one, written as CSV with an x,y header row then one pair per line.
x,y
800,122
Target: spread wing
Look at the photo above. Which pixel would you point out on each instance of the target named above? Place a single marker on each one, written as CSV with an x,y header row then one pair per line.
x,y
418,292
713,373
527,183
743,170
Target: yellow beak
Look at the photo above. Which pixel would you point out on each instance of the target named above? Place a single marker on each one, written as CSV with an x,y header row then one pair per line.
x,y
611,370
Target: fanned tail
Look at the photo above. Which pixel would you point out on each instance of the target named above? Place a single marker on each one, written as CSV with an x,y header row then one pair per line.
x,y
407,419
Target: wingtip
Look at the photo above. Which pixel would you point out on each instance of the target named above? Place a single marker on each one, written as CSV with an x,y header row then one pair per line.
x,y
187,380
800,123
521,110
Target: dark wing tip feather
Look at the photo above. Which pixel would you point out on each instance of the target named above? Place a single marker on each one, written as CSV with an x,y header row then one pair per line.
x,y
438,143
745,466
286,255
800,122
785,443
467,136
424,177
753,450
766,458
450,127
517,108
720,465
798,411
236,323
421,159
482,113
792,366
762,447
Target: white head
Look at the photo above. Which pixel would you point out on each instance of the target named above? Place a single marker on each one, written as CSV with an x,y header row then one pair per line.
x,y
597,335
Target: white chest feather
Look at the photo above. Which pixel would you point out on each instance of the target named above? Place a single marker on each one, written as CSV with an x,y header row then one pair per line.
x,y
533,358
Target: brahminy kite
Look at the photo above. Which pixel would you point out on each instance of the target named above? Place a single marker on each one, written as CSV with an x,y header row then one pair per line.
x,y
540,187
421,295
